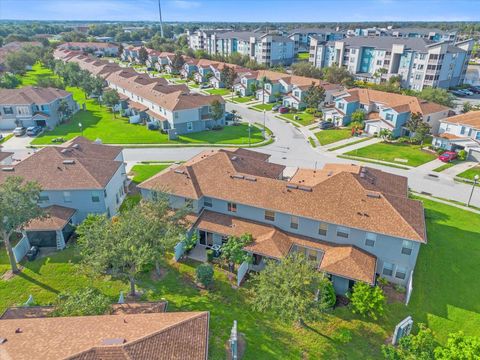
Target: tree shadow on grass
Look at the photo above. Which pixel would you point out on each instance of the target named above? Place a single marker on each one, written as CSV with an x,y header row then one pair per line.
x,y
38,283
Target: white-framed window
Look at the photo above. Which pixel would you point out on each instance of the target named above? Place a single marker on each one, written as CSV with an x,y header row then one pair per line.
x,y
95,197
407,247
343,232
400,273
387,269
294,222
388,116
269,215
322,229
370,239
232,207
207,202
67,197
189,126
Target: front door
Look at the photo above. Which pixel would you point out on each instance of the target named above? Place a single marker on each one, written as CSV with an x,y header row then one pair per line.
x,y
209,239
202,237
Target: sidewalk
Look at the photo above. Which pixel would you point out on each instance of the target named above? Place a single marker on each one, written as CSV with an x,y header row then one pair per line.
x,y
459,168
352,147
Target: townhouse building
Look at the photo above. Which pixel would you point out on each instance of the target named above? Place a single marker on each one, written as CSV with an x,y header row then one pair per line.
x,y
357,223
384,110
460,132
33,106
78,178
418,62
95,48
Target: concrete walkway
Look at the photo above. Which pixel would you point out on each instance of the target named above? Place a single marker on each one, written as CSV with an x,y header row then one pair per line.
x,y
351,147
459,168
466,208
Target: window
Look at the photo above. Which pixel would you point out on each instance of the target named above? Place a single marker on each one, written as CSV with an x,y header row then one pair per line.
x,y
370,239
388,116
207,202
407,247
387,269
379,62
343,232
67,197
401,273
322,229
95,197
353,51
269,215
43,198
312,254
189,126
7,110
294,222
462,131
232,207
340,105
117,200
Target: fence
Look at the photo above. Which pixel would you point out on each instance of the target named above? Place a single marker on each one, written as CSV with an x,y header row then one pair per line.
x,y
409,288
21,248
242,270
179,250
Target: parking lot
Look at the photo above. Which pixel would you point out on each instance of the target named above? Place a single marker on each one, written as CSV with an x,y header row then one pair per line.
x,y
472,99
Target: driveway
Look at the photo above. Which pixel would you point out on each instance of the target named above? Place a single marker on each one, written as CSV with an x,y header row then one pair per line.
x,y
18,145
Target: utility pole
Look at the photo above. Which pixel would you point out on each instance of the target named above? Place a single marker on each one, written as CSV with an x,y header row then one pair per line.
x,y
160,15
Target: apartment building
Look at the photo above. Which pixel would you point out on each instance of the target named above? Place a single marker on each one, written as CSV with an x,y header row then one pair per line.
x,y
356,222
33,106
302,37
95,48
425,33
418,62
384,110
460,132
78,178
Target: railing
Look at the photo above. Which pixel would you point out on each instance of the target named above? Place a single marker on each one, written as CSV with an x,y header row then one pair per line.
x,y
409,288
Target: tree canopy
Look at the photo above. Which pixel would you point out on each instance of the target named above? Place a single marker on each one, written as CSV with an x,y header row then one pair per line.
x,y
366,300
232,250
314,96
83,302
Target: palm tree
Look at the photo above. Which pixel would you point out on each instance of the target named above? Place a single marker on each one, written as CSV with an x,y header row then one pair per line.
x,y
264,81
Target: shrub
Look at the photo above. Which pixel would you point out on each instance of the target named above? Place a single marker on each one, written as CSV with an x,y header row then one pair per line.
x,y
462,155
382,281
204,273
329,297
366,300
190,242
310,110
293,110
318,114
210,255
217,127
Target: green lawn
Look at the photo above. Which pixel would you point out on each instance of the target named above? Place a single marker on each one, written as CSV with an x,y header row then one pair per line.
x,y
221,91
330,136
303,56
261,107
237,135
244,99
38,72
142,172
349,144
445,297
393,152
446,166
304,118
193,85
6,138
470,173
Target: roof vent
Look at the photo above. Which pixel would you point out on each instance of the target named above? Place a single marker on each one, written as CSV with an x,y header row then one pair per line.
x,y
3,341
114,341
68,162
64,151
176,171
76,146
305,188
250,178
18,331
330,173
292,186
8,169
233,158
373,195
237,176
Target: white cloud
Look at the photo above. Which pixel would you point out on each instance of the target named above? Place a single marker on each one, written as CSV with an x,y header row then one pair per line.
x,y
185,5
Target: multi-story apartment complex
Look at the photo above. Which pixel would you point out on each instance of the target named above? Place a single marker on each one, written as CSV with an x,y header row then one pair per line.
x,y
384,110
356,222
418,62
460,132
33,106
78,178
174,108
269,49
302,37
424,33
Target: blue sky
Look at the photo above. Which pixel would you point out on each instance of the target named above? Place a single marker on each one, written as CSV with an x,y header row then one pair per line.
x,y
244,10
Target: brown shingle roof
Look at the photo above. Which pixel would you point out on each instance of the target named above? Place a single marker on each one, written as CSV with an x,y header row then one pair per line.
x,y
31,95
471,118
82,147
154,336
353,200
56,217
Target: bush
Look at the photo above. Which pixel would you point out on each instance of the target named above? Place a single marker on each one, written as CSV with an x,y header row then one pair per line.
x,y
329,297
190,242
204,273
210,255
310,110
87,301
366,300
293,110
217,127
462,155
318,114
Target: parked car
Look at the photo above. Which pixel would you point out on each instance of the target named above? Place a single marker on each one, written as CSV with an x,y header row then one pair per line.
x,y
283,110
326,125
32,253
229,116
458,93
448,156
19,131
276,107
465,91
34,130
474,89
204,86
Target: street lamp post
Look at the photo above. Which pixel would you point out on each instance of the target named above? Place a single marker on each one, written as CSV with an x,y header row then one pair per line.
x,y
81,127
264,130
475,180
249,131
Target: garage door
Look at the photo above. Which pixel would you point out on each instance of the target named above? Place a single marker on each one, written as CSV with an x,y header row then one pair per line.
x,y
474,155
372,129
7,124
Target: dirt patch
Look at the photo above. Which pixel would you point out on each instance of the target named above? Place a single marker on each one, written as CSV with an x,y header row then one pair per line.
x,y
393,295
10,275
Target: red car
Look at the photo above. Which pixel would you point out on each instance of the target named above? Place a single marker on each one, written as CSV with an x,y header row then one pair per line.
x,y
283,110
448,156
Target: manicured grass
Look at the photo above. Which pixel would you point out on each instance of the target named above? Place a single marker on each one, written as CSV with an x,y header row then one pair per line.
x,y
142,172
349,144
237,135
303,56
221,92
332,135
38,72
470,173
240,99
364,160
304,118
445,297
312,142
130,201
261,107
6,138
193,85
391,151
445,166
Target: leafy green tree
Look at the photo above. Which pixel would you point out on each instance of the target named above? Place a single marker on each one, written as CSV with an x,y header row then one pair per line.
x,y
338,75
9,81
178,61
18,205
83,302
64,110
412,347
358,116
228,76
18,61
385,134
306,69
459,347
314,96
417,127
111,98
253,87
367,300
142,55
97,85
50,82
466,107
232,250
292,288
437,95
121,48
204,274
217,110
